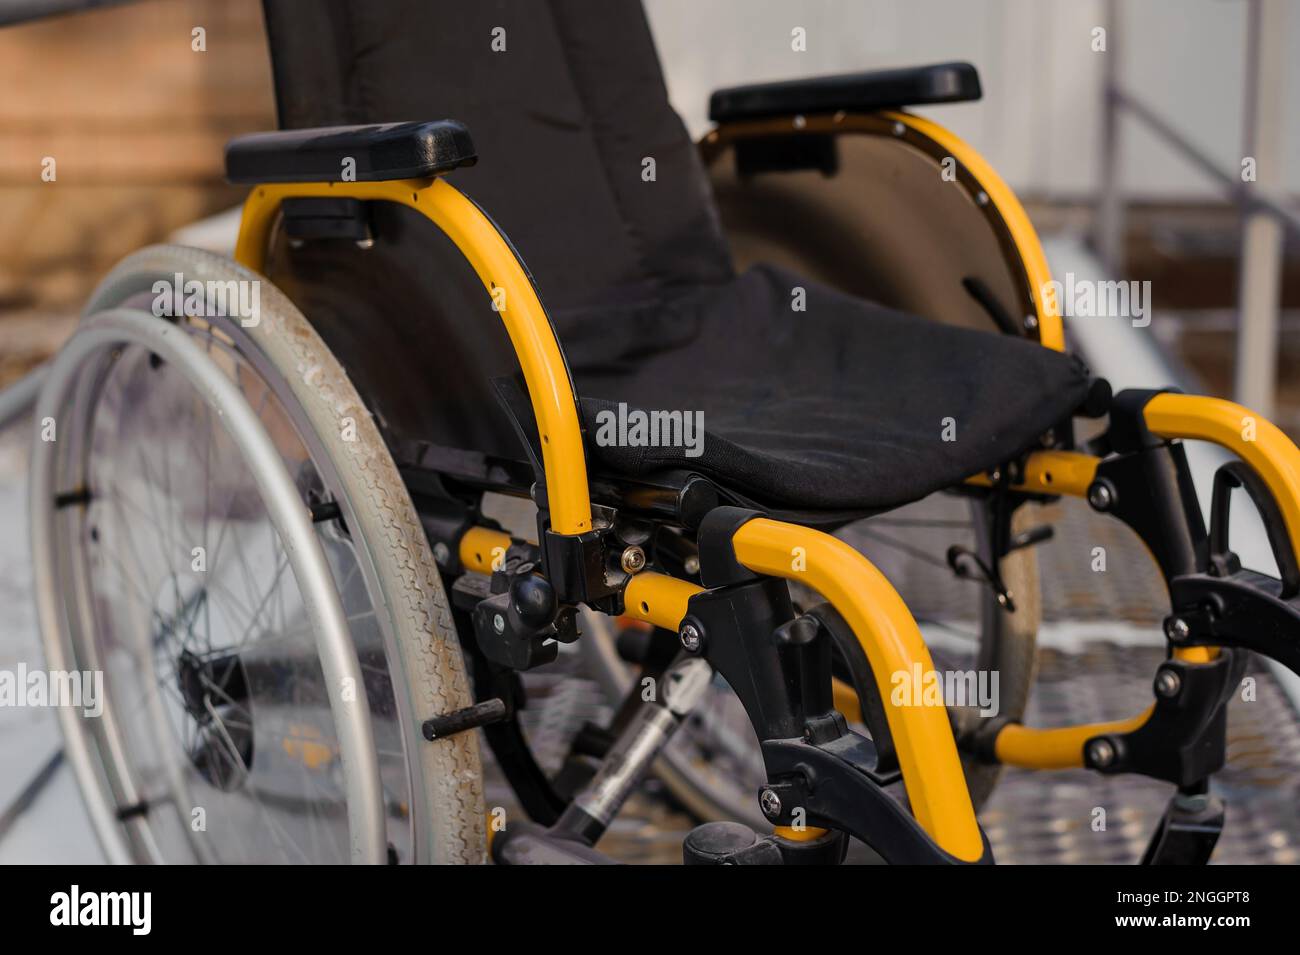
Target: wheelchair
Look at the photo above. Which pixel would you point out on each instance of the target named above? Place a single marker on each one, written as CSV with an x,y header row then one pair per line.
x,y
266,519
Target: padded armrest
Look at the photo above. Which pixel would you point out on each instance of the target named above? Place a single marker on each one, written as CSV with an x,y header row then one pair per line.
x,y
856,92
380,152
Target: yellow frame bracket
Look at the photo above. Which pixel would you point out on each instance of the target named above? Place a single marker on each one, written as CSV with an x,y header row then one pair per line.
x,y
1254,439
927,752
513,297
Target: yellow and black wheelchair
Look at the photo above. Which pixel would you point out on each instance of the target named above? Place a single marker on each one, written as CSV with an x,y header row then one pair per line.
x,y
267,515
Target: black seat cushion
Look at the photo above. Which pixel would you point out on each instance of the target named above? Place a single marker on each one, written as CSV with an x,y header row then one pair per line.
x,y
843,406
837,407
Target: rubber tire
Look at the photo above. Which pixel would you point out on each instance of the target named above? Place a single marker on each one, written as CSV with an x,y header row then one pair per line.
x,y
429,667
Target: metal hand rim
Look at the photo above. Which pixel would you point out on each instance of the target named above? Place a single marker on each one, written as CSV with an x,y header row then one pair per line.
x,y
292,522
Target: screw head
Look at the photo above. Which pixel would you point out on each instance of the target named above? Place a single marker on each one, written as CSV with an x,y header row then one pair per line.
x,y
1031,322
633,560
1177,630
899,129
1101,753
441,552
691,565
1100,496
691,637
498,623
1168,683
770,803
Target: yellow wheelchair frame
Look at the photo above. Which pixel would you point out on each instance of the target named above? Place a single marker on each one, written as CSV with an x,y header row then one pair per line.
x,y
881,621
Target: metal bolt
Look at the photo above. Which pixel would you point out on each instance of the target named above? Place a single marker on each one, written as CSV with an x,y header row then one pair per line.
x,y
899,129
1168,683
691,565
1177,630
499,623
1100,496
692,639
770,803
441,552
800,122
633,560
1191,802
982,198
1031,322
1101,753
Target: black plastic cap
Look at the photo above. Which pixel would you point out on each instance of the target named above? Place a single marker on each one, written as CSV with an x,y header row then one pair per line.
x,y
852,92
372,153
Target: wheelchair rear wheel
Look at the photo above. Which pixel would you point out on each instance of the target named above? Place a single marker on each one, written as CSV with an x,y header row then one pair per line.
x,y
221,738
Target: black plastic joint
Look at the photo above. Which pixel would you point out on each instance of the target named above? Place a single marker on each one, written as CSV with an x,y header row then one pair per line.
x,y
1097,401
982,743
575,566
718,564
1128,430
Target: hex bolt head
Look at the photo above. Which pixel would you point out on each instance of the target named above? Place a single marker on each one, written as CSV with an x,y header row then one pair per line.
x,y
1101,753
770,803
633,560
1168,683
498,623
441,552
691,565
1177,630
1100,496
692,639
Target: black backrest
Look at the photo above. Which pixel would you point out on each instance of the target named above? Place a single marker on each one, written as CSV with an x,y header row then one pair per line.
x,y
563,119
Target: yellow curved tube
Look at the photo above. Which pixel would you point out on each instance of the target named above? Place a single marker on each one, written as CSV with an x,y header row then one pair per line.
x,y
1255,440
1060,748
513,296
1051,329
927,753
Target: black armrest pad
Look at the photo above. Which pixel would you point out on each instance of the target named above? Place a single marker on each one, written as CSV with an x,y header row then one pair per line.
x,y
380,152
857,92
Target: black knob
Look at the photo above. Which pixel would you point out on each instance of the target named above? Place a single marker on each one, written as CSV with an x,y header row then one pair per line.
x,y
533,601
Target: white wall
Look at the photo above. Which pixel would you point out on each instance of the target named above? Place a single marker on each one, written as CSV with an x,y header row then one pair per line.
x,y
1040,117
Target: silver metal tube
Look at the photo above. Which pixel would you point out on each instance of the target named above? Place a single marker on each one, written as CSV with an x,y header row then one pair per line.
x,y
1110,225
682,687
1261,245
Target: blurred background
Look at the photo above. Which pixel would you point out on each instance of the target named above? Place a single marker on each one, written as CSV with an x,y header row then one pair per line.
x,y
1135,152
1123,125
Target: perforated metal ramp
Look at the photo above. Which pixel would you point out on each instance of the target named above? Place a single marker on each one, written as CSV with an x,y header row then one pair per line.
x,y
1049,817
